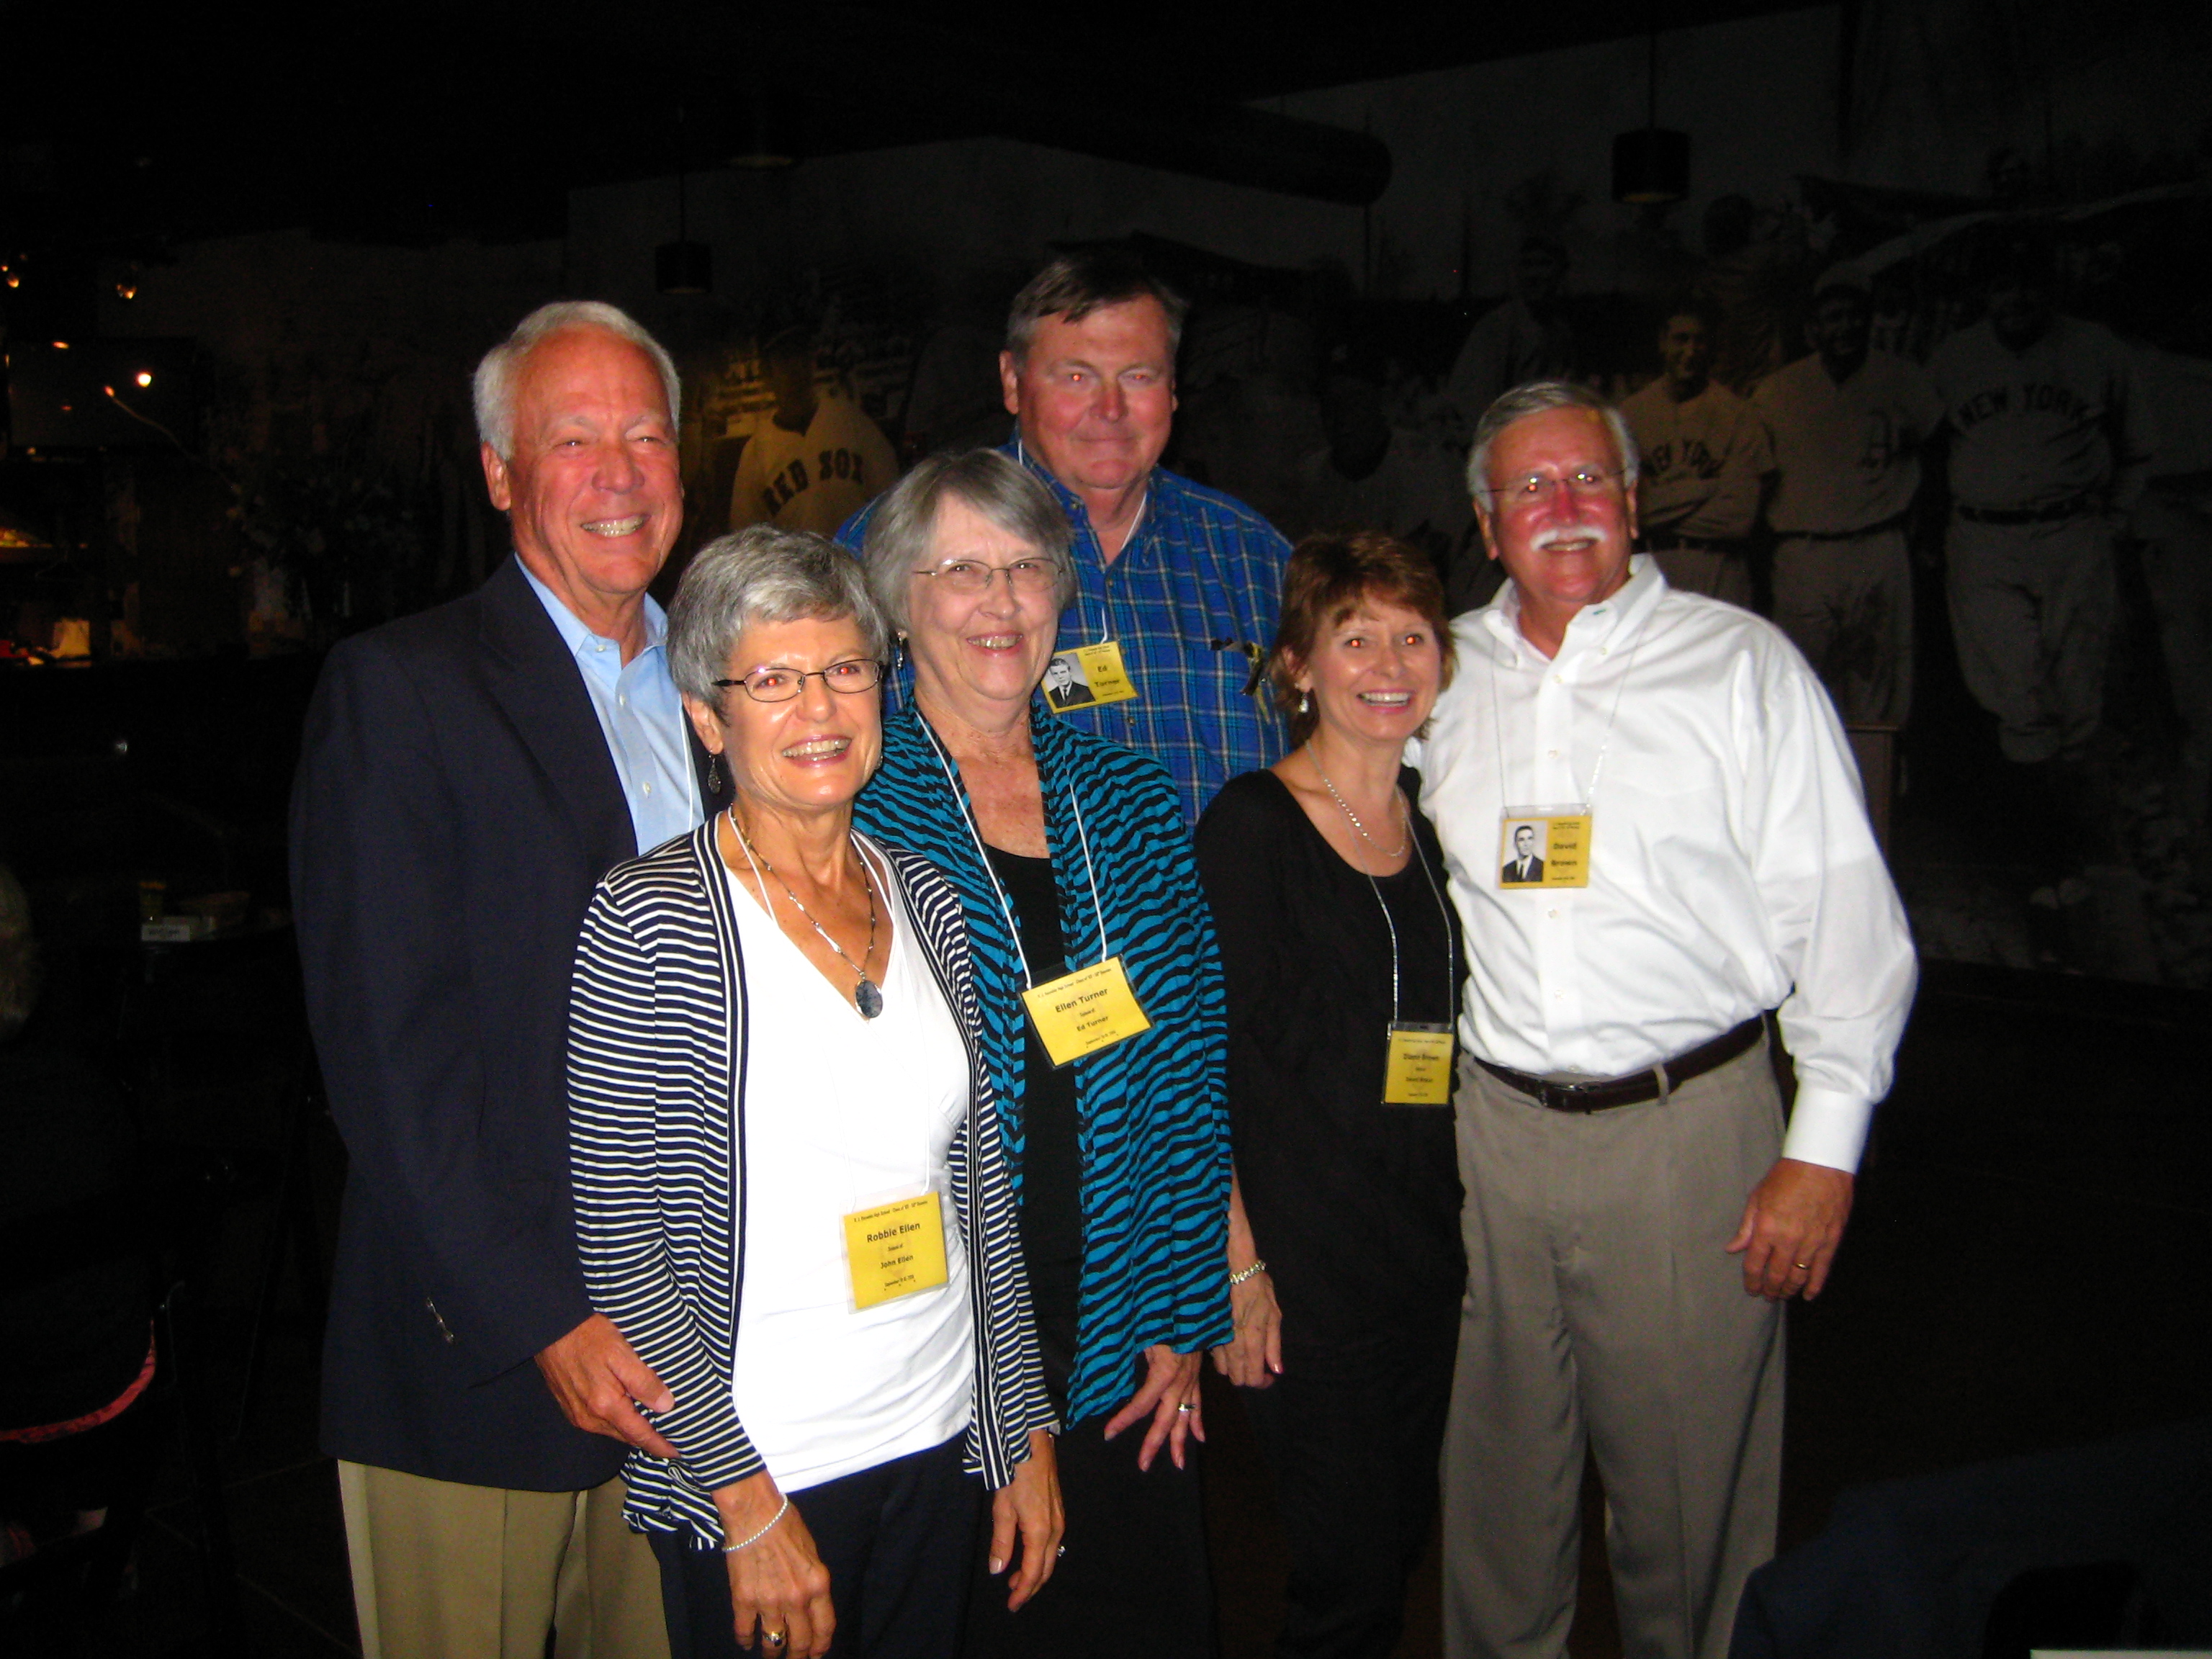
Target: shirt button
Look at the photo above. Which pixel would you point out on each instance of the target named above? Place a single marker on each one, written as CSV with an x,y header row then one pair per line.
x,y
1551,754
1554,915
1558,996
649,790
621,700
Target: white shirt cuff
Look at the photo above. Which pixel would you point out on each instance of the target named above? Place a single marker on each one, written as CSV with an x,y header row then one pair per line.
x,y
1829,1127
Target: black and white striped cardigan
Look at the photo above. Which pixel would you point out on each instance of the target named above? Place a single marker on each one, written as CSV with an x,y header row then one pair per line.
x,y
657,1039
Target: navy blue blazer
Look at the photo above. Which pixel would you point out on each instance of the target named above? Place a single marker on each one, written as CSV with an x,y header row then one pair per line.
x,y
454,808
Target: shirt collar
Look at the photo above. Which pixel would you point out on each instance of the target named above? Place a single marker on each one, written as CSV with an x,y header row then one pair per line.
x,y
576,636
1618,615
1078,514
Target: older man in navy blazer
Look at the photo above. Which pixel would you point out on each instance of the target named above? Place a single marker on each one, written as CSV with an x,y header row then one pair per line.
x,y
468,774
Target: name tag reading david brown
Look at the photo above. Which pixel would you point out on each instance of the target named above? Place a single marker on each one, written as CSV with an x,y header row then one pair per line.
x,y
1543,847
896,1250
1081,1012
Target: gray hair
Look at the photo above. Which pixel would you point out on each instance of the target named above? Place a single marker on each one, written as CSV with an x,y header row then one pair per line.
x,y
1002,489
1538,397
20,974
496,375
1076,284
761,574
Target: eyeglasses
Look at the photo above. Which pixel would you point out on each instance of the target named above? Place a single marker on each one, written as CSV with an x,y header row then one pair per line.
x,y
780,684
972,577
1584,482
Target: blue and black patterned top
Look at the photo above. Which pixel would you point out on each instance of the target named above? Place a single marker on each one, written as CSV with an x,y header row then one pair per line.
x,y
1152,1121
1192,600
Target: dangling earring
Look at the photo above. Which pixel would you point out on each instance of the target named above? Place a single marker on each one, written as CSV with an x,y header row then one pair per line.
x,y
1305,703
715,772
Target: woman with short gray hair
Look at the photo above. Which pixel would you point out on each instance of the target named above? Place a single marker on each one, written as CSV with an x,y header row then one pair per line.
x,y
789,1189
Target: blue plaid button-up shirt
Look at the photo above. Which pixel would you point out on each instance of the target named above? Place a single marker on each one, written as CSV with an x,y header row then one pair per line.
x,y
1193,600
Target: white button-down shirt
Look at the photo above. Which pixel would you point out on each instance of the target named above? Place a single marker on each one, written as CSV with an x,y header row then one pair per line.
x,y
1731,866
640,716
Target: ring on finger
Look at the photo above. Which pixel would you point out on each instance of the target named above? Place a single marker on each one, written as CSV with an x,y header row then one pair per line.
x,y
1186,1405
773,1637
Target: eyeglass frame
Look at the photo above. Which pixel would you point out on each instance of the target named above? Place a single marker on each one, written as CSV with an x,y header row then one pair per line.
x,y
798,690
1049,571
1520,492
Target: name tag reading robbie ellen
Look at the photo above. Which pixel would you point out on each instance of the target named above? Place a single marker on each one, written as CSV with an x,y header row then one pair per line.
x,y
1081,1012
896,1250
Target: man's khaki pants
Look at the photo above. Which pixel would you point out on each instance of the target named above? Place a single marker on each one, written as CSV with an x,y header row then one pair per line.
x,y
1602,1312
442,1571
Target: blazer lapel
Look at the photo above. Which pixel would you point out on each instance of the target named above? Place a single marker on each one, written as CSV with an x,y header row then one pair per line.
x,y
542,692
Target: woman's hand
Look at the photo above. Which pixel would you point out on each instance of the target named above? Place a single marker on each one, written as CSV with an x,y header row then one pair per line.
x,y
1253,1357
779,1588
1169,1398
1031,1507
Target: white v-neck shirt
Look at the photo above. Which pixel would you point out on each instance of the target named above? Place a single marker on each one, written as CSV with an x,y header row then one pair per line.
x,y
843,1114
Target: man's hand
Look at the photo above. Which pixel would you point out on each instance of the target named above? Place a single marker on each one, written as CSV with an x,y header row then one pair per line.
x,y
1169,1398
595,1377
1791,1227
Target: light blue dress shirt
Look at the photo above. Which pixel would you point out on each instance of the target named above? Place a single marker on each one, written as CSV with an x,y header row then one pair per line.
x,y
642,716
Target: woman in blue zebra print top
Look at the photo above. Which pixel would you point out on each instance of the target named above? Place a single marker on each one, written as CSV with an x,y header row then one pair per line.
x,y
1067,850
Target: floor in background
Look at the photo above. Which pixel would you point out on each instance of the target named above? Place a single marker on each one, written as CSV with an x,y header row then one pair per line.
x,y
2020,1274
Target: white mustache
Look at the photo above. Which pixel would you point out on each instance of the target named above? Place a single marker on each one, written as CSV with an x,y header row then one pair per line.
x,y
1551,534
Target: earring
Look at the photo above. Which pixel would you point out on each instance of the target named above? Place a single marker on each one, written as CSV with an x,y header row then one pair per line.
x,y
1305,703
715,772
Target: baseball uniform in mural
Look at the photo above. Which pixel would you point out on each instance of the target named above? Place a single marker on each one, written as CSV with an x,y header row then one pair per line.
x,y
1703,461
1847,465
815,479
2046,441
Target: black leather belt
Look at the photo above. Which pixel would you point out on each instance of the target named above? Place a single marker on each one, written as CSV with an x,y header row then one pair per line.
x,y
1637,1086
1894,521
2052,515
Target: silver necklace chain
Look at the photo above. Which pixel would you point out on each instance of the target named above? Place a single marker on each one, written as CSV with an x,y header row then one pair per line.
x,y
865,995
1404,822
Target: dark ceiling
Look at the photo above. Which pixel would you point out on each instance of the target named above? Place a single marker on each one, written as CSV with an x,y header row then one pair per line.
x,y
128,128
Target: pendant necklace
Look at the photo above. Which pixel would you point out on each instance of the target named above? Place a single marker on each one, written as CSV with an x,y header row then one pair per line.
x,y
866,997
1342,806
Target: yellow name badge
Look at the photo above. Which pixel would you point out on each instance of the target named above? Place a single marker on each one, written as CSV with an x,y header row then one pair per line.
x,y
1085,676
1419,1071
896,1250
1081,1012
1543,847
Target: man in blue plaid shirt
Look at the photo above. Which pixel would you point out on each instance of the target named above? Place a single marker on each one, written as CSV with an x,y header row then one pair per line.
x,y
1176,585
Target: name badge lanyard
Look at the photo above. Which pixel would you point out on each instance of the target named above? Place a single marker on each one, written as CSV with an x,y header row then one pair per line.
x,y
1417,1057
1082,1011
1564,869
892,1249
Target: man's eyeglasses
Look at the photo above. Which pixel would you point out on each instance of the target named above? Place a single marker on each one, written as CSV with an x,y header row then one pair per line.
x,y
973,577
1584,482
777,684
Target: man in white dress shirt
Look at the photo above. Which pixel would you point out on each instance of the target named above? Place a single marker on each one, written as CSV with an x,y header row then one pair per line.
x,y
1636,1213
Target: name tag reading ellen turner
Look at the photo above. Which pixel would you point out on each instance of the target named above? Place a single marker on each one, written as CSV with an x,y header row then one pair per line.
x,y
1081,1012
896,1250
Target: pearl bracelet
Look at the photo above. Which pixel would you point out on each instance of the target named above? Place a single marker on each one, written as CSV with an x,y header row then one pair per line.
x,y
732,1549
1244,1274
